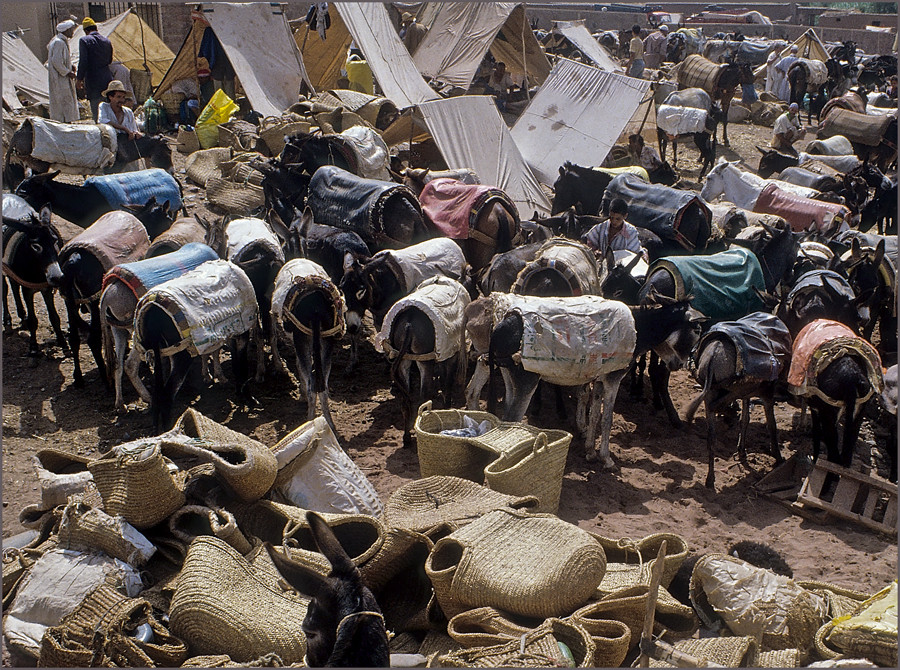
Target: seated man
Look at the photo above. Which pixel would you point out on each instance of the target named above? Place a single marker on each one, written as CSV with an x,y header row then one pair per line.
x,y
498,85
615,233
116,114
645,156
787,130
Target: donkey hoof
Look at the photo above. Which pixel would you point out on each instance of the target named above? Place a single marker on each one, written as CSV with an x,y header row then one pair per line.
x,y
407,441
78,382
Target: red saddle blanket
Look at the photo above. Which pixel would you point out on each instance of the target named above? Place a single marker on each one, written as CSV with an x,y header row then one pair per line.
x,y
453,207
801,213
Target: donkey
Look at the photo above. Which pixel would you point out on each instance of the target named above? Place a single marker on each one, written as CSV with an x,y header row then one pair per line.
x,y
704,140
307,305
739,360
820,294
874,284
82,205
31,263
344,626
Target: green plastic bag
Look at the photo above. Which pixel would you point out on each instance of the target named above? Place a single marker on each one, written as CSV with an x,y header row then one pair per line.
x,y
218,110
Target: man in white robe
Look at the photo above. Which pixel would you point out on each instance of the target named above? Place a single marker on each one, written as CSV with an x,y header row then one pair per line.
x,y
784,86
61,75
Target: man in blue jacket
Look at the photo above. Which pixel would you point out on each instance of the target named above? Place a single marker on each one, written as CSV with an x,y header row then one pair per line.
x,y
95,53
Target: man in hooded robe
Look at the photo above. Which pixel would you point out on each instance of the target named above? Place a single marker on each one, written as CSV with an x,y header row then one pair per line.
x,y
61,75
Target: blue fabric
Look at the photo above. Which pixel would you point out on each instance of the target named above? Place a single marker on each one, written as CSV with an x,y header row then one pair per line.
x,y
136,188
722,284
145,274
95,53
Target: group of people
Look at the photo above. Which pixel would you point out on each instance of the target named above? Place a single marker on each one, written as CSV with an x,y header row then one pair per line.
x,y
649,52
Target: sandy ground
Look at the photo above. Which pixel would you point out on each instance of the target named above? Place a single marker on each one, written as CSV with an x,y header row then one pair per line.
x,y
657,485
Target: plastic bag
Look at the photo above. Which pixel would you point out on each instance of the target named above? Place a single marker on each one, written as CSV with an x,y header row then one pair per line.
x,y
218,110
471,428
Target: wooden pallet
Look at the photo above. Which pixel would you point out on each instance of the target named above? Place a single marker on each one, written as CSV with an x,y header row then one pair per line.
x,y
851,495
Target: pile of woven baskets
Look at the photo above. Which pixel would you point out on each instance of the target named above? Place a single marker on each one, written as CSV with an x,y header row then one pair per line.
x,y
153,556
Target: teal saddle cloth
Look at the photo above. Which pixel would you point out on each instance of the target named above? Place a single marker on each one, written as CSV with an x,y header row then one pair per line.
x,y
721,284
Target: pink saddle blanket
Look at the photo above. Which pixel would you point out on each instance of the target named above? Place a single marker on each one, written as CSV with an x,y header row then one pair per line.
x,y
801,213
453,207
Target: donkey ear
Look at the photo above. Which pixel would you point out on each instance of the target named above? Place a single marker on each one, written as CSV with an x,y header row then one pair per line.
x,y
349,261
562,171
609,260
761,150
854,247
879,252
303,579
306,220
328,544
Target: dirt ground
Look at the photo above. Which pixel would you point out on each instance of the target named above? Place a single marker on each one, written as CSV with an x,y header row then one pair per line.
x,y
657,485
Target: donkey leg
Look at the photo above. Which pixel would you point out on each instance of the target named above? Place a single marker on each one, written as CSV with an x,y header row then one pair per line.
x,y
400,377
258,335
476,384
75,341
7,317
55,323
659,383
603,403
274,339
742,430
132,367
326,349
769,406
520,389
31,324
17,299
116,339
710,443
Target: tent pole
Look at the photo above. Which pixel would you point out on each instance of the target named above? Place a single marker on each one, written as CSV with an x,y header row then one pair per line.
x,y
524,55
305,35
143,44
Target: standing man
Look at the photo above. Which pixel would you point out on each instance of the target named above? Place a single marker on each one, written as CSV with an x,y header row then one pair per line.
x,y
784,86
411,32
61,75
787,130
655,47
94,56
635,64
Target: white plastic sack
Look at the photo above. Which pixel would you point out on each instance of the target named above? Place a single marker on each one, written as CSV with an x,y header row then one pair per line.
x,y
243,234
427,259
371,152
680,120
752,601
316,474
56,584
76,145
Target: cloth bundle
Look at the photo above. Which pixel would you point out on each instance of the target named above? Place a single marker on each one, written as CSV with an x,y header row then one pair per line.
x,y
136,188
296,279
762,342
416,263
453,207
73,145
680,120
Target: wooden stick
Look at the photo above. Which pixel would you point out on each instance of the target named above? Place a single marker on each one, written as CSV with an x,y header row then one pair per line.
x,y
649,617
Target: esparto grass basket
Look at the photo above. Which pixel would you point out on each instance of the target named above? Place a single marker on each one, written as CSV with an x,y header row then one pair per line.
x,y
643,553
730,652
447,454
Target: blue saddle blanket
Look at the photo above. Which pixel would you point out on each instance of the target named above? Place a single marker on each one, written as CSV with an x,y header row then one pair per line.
x,y
136,188
721,284
142,275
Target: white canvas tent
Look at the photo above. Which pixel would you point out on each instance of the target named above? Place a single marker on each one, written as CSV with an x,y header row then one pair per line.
x,y
134,43
470,133
578,35
463,32
577,115
259,44
22,70
389,60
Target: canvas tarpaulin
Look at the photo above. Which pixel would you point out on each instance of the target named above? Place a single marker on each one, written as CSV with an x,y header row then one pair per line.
x,y
470,133
259,44
22,70
577,115
323,59
391,63
134,44
578,35
462,33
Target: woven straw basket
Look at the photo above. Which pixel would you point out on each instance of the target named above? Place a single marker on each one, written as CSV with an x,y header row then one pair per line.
x,y
238,134
234,198
188,142
437,643
83,527
538,648
144,492
360,535
273,130
446,454
782,658
400,551
437,504
731,652
532,462
97,633
530,565
203,165
193,520
864,633
643,553
246,465
612,639
841,601
60,474
17,561
228,604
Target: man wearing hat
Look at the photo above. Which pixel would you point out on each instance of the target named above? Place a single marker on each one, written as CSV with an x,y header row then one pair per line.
x,y
94,56
655,47
61,75
787,130
411,32
115,113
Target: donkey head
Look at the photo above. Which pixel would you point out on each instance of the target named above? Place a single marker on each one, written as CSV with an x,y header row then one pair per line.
x,y
343,626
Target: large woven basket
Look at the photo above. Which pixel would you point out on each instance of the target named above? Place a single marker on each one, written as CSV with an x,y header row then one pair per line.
x,y
141,490
612,639
782,658
188,142
870,635
443,504
697,71
529,565
538,648
841,601
273,130
234,198
228,604
532,462
60,474
238,134
194,520
83,527
246,465
643,553
203,165
98,632
360,535
446,454
731,652
19,560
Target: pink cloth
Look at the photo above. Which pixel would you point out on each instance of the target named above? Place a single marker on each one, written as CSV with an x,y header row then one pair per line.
x,y
814,348
800,212
453,207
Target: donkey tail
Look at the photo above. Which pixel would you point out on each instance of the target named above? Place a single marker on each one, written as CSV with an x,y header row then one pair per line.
x,y
504,239
691,408
318,364
405,343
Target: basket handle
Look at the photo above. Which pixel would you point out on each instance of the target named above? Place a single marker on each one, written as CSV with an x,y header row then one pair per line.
x,y
424,407
540,443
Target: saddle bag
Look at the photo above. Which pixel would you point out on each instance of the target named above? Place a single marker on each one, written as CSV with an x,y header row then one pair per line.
x,y
695,71
573,261
453,208
297,279
862,128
